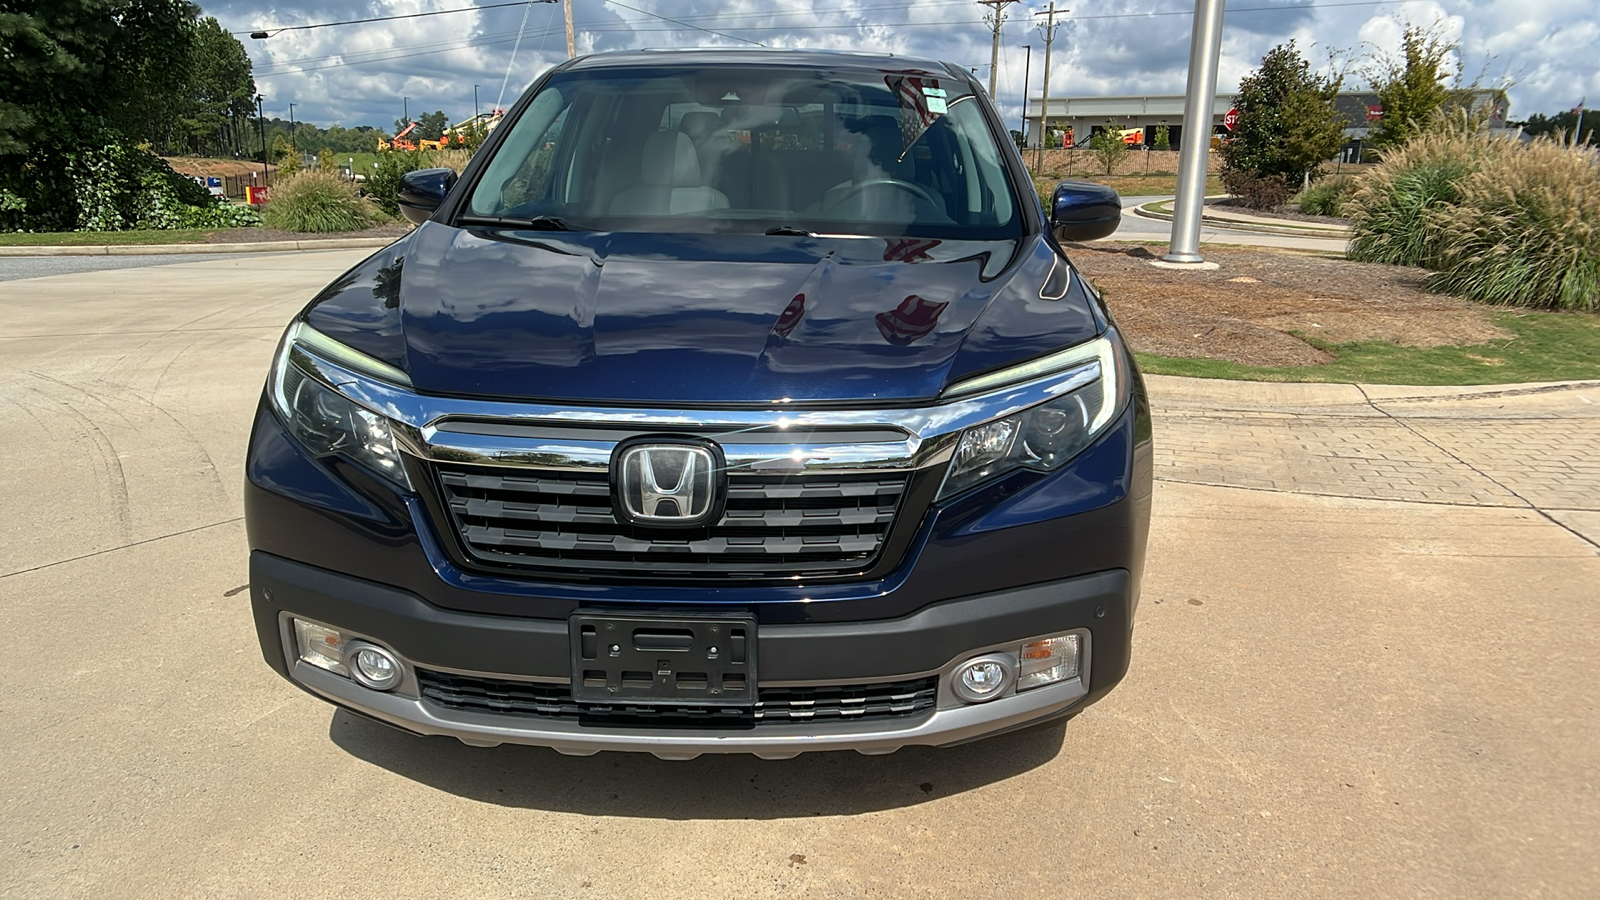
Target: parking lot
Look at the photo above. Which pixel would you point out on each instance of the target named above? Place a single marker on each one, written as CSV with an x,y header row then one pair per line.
x,y
1365,664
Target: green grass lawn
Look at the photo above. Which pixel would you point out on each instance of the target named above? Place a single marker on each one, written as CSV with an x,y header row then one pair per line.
x,y
1546,346
102,238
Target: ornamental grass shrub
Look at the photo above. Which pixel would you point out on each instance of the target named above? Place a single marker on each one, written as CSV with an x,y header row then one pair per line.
x,y
1326,196
1389,210
317,202
1525,229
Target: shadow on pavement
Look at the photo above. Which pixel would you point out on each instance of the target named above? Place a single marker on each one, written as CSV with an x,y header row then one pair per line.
x,y
713,786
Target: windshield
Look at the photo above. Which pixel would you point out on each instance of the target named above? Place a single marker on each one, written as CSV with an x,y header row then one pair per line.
x,y
753,149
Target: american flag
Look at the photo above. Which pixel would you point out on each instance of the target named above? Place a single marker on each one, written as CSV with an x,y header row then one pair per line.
x,y
915,116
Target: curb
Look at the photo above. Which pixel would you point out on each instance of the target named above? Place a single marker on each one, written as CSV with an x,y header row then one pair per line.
x,y
174,249
1144,211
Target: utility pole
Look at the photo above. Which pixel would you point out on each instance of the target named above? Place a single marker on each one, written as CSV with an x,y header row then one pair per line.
x,y
566,8
293,147
1044,103
1205,48
1026,73
996,18
405,110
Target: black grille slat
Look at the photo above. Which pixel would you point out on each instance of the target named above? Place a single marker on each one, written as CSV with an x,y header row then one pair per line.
x,y
774,706
773,525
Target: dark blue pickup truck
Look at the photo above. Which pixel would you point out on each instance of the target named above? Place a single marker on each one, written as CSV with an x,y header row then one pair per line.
x,y
726,402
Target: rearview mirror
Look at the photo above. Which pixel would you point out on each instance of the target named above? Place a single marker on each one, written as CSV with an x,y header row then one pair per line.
x,y
1081,211
423,190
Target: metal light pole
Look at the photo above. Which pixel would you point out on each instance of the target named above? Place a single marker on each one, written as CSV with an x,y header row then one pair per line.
x,y
476,114
1027,67
261,126
1205,48
293,147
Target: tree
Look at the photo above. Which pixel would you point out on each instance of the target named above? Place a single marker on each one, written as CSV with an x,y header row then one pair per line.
x,y
1163,137
1566,123
431,126
221,95
1411,87
1108,149
1288,127
84,83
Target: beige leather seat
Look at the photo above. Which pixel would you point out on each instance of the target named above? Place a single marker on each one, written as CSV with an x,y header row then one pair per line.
x,y
670,172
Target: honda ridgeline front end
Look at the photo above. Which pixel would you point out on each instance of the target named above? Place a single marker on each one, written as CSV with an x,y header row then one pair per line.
x,y
727,402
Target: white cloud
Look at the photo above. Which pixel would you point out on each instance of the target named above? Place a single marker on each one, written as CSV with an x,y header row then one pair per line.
x,y
358,74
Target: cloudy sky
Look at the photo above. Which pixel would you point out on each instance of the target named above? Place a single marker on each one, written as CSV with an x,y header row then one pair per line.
x,y
358,74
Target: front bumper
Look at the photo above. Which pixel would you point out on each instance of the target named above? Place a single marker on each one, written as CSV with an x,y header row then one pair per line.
x,y
930,642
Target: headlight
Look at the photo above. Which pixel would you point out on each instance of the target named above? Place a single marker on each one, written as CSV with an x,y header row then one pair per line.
x,y
1045,436
327,423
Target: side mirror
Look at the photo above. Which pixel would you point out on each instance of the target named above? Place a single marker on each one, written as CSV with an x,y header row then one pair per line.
x,y
422,191
1081,211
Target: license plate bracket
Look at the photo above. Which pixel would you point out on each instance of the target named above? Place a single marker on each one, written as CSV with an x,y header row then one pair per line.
x,y
663,660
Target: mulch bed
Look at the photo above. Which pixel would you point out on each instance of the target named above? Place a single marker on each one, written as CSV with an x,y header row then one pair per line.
x,y
1248,311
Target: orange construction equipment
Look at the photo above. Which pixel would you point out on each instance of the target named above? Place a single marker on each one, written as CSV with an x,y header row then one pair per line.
x,y
399,142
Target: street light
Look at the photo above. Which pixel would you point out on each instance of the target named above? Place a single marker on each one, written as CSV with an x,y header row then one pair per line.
x,y
293,147
475,112
1027,69
261,126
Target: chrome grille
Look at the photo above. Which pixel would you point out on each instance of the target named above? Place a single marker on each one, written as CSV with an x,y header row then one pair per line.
x,y
774,705
774,525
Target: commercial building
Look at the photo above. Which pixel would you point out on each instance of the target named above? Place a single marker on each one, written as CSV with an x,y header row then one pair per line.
x,y
1082,116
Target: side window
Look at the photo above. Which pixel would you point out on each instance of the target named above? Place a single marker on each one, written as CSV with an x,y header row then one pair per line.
x,y
532,181
520,169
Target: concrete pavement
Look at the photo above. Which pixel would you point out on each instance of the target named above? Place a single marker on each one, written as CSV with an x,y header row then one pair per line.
x,y
1333,694
1135,227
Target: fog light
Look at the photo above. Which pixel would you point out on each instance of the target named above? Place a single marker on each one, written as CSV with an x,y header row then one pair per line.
x,y
320,646
374,667
984,678
1048,661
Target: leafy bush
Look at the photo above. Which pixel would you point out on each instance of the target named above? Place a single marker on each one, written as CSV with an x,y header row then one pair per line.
x,y
384,183
1526,229
104,183
1389,210
314,201
1257,191
1107,148
1326,197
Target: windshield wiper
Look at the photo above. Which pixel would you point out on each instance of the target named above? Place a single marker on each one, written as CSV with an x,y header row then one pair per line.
x,y
534,223
790,231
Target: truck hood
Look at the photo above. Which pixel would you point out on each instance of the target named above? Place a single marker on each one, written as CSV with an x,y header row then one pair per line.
x,y
663,319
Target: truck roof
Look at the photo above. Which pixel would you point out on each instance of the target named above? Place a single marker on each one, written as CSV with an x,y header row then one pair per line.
x,y
818,59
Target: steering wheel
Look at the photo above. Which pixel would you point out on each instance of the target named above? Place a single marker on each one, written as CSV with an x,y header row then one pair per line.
x,y
872,184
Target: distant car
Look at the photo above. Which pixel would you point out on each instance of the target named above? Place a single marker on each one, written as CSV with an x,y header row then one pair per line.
x,y
728,402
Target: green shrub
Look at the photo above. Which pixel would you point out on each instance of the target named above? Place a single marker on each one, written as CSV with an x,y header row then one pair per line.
x,y
384,185
1327,196
1526,230
1389,210
317,202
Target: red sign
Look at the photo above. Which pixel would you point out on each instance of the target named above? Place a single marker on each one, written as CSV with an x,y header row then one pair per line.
x,y
1374,113
255,196
1231,118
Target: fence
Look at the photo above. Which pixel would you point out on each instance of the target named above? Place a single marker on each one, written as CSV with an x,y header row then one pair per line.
x,y
1139,162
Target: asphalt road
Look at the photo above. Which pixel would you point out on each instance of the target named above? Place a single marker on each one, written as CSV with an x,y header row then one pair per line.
x,y
1330,697
15,268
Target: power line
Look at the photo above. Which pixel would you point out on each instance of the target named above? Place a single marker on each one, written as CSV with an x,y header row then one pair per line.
x,y
291,66
264,32
686,24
